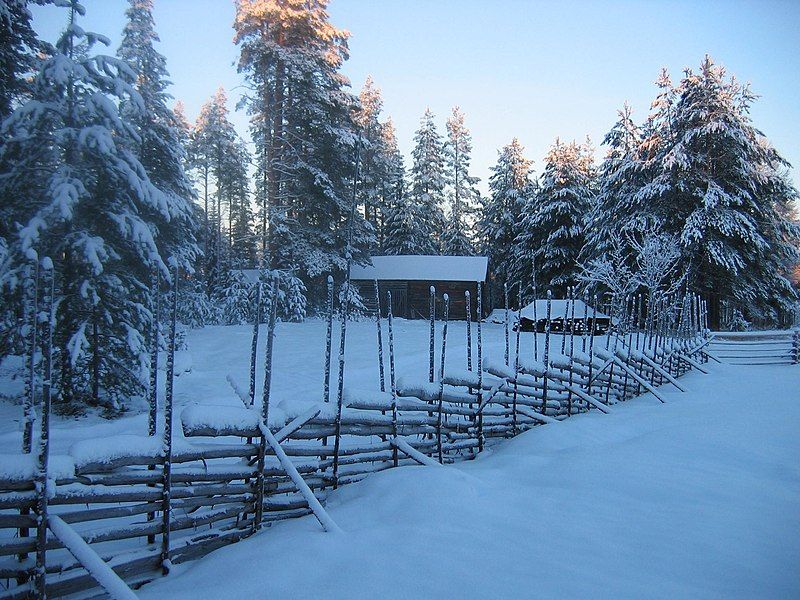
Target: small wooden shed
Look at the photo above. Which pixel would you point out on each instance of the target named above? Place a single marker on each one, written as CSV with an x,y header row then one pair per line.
x,y
410,277
559,308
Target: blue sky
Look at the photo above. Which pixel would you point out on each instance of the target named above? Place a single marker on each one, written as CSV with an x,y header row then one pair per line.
x,y
534,70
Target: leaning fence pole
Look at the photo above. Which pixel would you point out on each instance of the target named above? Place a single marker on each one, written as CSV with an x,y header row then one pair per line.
x,y
381,374
446,299
43,457
166,504
468,306
392,382
480,366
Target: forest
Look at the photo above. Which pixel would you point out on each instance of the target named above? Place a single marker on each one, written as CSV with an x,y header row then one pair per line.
x,y
109,193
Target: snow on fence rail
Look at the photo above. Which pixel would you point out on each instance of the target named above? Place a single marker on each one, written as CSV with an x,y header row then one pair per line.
x,y
144,503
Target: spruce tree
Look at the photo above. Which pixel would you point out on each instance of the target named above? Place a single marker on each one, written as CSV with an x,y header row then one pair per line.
x,y
719,186
85,199
428,183
463,194
615,209
552,226
510,189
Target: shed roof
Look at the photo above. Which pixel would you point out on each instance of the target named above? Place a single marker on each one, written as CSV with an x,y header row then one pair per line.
x,y
557,308
423,268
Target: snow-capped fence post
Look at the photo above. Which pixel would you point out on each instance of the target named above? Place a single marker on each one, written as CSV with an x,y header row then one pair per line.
x,y
337,440
155,332
254,343
392,381
431,348
446,299
505,321
535,321
479,350
516,363
326,394
468,307
546,350
31,316
381,373
155,281
591,347
571,351
166,501
796,346
273,314
43,456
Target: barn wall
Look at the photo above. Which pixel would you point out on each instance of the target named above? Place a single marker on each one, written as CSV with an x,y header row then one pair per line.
x,y
411,299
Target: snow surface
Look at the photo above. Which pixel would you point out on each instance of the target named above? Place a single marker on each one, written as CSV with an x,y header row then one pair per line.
x,y
423,268
694,498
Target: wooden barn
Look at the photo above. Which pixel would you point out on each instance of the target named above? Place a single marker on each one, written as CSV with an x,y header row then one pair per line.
x,y
410,277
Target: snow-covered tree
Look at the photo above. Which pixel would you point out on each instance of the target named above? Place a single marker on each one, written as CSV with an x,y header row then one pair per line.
x,y
551,229
614,208
717,184
157,144
19,49
428,183
463,194
302,117
510,188
84,198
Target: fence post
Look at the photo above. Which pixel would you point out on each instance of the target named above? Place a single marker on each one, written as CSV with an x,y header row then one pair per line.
x,y
392,382
446,299
381,373
155,330
469,329
43,458
546,352
167,472
480,367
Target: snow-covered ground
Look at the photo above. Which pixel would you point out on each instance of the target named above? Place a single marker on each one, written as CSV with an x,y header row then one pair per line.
x,y
299,358
699,497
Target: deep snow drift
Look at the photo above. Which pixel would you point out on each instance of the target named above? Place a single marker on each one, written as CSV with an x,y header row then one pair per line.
x,y
699,497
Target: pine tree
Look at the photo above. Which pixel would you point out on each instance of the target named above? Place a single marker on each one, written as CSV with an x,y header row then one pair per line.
x,y
464,196
620,176
552,226
718,185
85,199
19,48
220,158
307,142
157,144
373,168
510,189
428,183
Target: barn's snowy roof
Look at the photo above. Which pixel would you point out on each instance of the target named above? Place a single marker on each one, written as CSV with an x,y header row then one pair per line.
x,y
557,308
423,268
